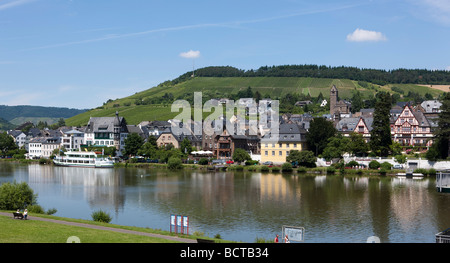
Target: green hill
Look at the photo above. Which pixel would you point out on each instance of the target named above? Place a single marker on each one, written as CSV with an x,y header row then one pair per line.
x,y
155,103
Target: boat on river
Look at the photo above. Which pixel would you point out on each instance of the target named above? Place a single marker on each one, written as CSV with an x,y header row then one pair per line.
x,y
410,174
83,159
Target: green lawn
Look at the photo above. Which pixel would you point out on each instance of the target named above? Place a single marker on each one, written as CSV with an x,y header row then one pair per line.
x,y
34,231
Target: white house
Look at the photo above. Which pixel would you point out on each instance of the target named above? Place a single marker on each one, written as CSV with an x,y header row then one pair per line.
x,y
72,139
19,137
35,147
107,131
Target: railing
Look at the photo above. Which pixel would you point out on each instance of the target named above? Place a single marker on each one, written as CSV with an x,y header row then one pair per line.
x,y
443,237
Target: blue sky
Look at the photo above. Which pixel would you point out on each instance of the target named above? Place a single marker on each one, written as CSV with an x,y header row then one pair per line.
x,y
80,53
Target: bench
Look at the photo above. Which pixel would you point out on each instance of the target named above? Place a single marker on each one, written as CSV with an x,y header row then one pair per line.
x,y
199,240
18,215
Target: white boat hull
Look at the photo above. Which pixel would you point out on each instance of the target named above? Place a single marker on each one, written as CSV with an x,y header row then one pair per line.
x,y
83,159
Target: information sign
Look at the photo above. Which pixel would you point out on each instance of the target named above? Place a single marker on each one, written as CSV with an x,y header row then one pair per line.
x,y
294,233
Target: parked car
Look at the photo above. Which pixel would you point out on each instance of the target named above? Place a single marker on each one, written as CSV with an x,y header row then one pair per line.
x,y
398,166
230,162
268,163
218,161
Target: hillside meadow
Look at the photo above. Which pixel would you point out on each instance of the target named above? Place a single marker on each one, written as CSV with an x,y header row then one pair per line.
x,y
224,87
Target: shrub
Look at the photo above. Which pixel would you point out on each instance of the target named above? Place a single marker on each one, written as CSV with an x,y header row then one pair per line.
x,y
174,163
286,167
432,172
51,211
239,167
331,170
374,165
203,161
386,166
101,216
352,164
301,169
251,162
44,161
264,168
36,209
421,171
383,171
275,169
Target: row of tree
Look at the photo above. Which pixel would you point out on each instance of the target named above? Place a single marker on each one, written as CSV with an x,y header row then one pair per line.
x,y
376,76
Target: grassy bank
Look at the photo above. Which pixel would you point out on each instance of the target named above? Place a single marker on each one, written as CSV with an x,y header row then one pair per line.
x,y
36,231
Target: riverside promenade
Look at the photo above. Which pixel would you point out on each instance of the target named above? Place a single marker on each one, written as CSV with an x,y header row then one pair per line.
x,y
125,231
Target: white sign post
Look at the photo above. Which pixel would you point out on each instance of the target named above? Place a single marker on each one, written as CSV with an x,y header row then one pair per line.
x,y
294,233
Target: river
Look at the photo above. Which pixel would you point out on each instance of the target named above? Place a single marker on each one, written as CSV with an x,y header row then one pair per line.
x,y
243,206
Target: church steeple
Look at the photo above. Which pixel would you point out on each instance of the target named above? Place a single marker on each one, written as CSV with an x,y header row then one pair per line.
x,y
333,100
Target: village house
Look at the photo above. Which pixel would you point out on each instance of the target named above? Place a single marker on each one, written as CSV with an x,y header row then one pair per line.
x,y
275,149
43,147
19,137
107,131
72,139
360,125
412,128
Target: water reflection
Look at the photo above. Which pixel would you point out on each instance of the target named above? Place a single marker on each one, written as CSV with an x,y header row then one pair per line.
x,y
244,205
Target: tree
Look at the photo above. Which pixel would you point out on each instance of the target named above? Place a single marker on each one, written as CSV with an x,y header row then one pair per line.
x,y
240,155
303,158
16,196
185,146
7,144
133,143
357,145
357,102
380,136
319,132
148,149
336,147
442,132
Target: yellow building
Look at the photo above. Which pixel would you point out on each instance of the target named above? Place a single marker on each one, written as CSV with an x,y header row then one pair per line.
x,y
290,137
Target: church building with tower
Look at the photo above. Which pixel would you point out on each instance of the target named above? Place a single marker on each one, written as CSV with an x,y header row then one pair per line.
x,y
338,108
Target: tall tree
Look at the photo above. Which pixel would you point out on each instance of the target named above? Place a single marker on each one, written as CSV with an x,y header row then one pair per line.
x,y
320,130
357,102
442,132
133,143
380,136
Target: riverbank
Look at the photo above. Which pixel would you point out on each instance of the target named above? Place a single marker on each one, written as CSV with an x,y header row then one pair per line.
x,y
51,229
251,168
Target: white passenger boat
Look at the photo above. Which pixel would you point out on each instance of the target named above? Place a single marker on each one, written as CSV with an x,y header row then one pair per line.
x,y
83,159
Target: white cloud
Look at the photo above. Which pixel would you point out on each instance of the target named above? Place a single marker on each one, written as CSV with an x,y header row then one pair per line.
x,y
361,35
190,54
431,10
447,68
11,4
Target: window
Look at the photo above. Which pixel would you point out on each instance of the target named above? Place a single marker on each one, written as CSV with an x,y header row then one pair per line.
x,y
287,145
280,145
280,153
273,153
295,145
266,153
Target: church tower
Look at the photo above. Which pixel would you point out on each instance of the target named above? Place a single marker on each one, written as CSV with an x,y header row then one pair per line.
x,y
333,100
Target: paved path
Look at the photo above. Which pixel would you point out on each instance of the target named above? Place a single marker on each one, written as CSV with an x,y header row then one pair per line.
x,y
171,238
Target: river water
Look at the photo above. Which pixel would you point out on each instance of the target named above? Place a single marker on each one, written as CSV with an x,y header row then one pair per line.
x,y
243,206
